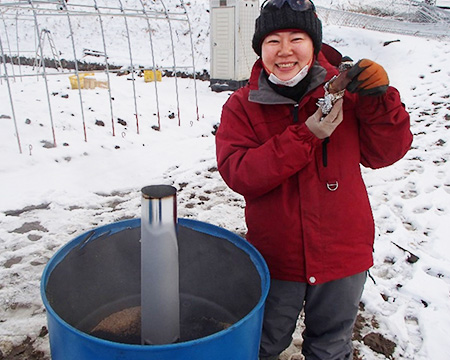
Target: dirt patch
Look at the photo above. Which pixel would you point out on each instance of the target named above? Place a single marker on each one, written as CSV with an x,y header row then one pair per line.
x,y
44,206
30,226
26,350
372,339
12,261
380,344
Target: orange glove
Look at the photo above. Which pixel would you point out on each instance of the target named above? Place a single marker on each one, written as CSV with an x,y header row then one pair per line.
x,y
368,78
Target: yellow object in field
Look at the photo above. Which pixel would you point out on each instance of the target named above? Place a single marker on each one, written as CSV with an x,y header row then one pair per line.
x,y
90,82
149,75
101,84
74,81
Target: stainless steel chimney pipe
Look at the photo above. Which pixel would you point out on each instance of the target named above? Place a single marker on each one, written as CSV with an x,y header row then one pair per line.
x,y
160,304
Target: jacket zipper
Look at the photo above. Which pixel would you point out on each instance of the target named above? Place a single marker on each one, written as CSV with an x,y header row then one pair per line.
x,y
295,113
325,152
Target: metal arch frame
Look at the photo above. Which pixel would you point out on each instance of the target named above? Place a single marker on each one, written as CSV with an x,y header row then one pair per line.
x,y
33,9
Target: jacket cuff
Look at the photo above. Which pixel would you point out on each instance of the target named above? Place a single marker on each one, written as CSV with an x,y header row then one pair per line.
x,y
306,135
372,104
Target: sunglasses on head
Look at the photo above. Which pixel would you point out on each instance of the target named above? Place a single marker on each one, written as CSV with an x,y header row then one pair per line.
x,y
297,5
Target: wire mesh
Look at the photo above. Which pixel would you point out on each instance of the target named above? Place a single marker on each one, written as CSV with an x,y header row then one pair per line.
x,y
403,17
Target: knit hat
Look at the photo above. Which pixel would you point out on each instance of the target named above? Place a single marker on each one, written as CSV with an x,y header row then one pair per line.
x,y
274,18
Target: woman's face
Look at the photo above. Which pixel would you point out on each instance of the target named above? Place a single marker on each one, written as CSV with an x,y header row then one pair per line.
x,y
285,53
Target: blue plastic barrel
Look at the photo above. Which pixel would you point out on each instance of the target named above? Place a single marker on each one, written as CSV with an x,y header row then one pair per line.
x,y
216,266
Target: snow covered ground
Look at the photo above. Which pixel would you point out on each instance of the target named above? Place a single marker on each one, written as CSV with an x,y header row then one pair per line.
x,y
49,195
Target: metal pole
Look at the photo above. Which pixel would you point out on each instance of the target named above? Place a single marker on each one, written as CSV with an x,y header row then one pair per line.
x,y
132,66
44,73
17,42
174,62
64,7
153,63
107,66
10,96
9,46
193,60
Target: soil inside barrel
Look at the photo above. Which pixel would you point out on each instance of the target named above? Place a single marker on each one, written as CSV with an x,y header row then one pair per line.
x,y
125,327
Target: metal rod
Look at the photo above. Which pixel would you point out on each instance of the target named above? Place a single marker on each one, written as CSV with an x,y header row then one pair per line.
x,y
7,42
49,8
193,60
132,68
107,67
10,97
63,4
174,63
94,14
17,44
44,73
153,63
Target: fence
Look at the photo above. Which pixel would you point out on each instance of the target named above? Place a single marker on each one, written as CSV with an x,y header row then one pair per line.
x,y
410,18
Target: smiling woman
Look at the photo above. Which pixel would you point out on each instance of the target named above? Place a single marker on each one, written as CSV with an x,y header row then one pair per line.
x,y
299,172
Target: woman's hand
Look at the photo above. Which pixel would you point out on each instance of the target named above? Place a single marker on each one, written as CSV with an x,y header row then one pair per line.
x,y
368,78
324,127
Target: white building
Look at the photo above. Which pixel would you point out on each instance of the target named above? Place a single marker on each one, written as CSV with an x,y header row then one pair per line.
x,y
232,56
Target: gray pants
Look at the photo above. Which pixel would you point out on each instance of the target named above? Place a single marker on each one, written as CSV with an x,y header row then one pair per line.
x,y
330,313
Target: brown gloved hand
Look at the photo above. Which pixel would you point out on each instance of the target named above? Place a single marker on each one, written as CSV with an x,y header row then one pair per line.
x,y
368,78
323,127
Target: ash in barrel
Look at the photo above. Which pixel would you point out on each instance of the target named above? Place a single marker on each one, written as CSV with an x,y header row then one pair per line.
x,y
125,327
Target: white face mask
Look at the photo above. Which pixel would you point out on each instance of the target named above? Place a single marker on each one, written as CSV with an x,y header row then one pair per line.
x,y
291,82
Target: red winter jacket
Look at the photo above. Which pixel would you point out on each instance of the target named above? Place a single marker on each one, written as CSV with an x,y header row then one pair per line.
x,y
310,222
